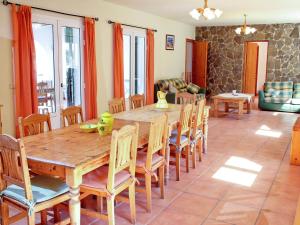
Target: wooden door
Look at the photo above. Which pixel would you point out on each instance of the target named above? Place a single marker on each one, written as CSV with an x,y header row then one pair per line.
x,y
200,51
189,60
251,67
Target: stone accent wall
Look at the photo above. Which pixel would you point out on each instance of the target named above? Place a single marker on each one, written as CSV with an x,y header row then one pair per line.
x,y
226,54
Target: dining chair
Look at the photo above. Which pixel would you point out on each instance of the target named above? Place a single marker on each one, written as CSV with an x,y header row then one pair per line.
x,y
117,105
119,175
153,159
136,101
185,98
29,195
71,115
197,131
180,138
34,124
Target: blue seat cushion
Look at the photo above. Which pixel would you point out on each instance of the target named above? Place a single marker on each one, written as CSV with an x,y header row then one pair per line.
x,y
173,137
43,188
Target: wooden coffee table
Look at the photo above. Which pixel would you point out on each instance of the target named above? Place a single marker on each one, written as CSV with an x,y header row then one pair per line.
x,y
240,100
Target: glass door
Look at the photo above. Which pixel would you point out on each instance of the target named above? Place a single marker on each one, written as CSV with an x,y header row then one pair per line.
x,y
134,47
58,45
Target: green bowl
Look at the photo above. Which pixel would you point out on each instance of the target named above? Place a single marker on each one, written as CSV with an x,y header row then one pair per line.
x,y
89,128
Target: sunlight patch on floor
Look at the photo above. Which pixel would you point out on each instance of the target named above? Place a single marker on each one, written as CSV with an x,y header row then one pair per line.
x,y
235,176
243,163
238,170
266,131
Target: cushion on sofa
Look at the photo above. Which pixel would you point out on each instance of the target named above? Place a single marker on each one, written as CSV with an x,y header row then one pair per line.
x,y
180,83
279,100
295,101
182,90
296,86
296,94
279,85
193,88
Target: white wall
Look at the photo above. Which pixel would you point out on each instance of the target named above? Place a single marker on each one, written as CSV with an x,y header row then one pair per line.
x,y
167,63
262,64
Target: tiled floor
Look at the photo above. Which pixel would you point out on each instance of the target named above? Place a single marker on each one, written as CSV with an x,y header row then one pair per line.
x,y
245,178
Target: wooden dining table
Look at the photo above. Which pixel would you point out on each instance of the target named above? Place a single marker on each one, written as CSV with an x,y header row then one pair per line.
x,y
70,153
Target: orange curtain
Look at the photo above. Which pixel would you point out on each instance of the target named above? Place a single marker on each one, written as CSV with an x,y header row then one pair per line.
x,y
150,68
24,62
118,62
90,70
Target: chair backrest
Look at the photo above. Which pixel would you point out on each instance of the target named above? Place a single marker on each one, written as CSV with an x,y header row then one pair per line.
x,y
198,120
157,138
34,124
14,164
117,105
136,101
185,98
185,121
71,115
123,152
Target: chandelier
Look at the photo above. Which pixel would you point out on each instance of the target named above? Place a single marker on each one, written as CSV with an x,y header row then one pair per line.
x,y
206,12
245,30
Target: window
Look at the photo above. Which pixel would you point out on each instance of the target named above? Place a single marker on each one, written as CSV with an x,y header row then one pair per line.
x,y
134,47
58,45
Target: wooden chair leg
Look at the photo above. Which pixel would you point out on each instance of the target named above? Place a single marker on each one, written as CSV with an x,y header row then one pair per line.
x,y
148,191
194,149
187,158
4,214
161,171
31,219
44,217
132,202
200,149
178,155
99,204
56,212
111,210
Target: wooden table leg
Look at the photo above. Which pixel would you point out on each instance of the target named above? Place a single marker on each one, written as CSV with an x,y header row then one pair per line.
x,y
226,107
249,107
167,169
74,179
241,109
205,130
216,109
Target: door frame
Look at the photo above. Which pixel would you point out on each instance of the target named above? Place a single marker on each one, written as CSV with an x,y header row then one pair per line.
x,y
188,40
135,32
57,22
245,65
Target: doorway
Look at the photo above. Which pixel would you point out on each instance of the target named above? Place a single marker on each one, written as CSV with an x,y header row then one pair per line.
x,y
196,62
255,66
59,47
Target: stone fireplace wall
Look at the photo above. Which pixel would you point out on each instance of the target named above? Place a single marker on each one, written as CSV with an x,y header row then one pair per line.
x,y
226,54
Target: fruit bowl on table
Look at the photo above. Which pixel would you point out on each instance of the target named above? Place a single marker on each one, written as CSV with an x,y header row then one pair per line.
x,y
89,128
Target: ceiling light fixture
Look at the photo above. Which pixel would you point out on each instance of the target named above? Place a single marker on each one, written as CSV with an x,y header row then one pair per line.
x,y
245,30
206,12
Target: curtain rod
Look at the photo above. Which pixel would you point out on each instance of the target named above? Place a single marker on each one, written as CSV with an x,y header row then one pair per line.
x,y
127,25
5,2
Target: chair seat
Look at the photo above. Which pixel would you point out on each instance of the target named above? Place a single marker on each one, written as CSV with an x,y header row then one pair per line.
x,y
142,158
98,178
43,188
198,134
173,137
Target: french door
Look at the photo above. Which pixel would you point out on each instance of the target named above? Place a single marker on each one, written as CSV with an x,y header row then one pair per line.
x,y
134,47
58,45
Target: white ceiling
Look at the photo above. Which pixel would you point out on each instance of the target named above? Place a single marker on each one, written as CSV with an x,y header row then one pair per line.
x,y
259,11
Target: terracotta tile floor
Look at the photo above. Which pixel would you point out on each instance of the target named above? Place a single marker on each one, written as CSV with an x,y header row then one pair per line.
x,y
245,178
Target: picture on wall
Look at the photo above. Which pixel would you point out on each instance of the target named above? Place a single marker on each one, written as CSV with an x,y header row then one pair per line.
x,y
170,42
